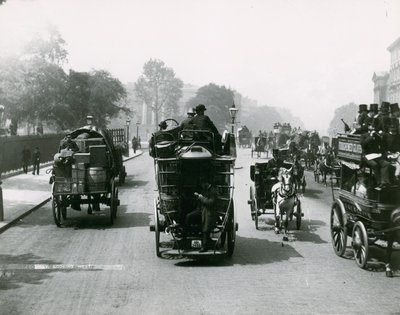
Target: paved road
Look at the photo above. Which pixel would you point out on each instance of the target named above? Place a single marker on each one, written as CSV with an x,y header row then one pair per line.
x,y
89,267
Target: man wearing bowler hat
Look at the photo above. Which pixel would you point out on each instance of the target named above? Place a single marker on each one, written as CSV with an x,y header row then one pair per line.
x,y
203,122
185,124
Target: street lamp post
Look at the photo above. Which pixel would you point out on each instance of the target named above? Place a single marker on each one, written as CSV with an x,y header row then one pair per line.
x,y
137,130
233,111
128,121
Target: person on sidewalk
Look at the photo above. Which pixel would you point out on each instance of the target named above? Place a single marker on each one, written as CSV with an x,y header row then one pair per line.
x,y
26,156
36,161
134,144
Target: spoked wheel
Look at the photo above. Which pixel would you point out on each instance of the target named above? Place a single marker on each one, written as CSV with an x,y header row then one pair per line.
x,y
252,203
298,215
360,244
113,203
116,203
256,216
57,212
338,231
63,208
231,231
157,227
303,185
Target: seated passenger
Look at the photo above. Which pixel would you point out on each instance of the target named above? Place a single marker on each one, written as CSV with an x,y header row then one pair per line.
x,y
68,143
372,145
185,124
275,163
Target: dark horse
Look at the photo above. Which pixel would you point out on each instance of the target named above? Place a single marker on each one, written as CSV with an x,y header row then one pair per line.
x,y
326,165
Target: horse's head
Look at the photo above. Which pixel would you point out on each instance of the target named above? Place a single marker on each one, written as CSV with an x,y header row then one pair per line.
x,y
286,179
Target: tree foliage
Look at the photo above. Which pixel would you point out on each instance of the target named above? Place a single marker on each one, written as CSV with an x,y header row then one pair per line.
x,y
35,88
158,88
218,100
346,112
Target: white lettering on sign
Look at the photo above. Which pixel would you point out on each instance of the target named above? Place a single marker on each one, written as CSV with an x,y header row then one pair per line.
x,y
350,147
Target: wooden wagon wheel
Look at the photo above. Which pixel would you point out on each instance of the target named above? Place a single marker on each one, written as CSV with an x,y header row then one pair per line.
x,y
252,203
360,244
298,215
338,230
231,233
57,212
113,202
157,227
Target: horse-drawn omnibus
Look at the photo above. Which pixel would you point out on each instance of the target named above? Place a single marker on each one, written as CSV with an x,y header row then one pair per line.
x,y
245,137
183,161
362,211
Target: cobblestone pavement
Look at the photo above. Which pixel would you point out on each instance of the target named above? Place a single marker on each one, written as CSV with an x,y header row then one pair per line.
x,y
89,267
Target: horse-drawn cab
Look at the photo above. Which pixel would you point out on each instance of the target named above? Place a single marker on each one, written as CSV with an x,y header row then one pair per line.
x,y
260,146
183,164
361,210
264,194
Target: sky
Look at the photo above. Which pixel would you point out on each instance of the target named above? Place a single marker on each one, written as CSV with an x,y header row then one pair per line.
x,y
309,56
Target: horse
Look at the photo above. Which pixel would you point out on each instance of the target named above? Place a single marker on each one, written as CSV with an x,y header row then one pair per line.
x,y
326,165
284,200
298,175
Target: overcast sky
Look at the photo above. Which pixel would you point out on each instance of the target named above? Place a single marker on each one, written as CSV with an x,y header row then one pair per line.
x,y
309,56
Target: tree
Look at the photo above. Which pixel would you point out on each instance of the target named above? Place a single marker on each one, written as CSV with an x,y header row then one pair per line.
x,y
158,88
346,112
218,100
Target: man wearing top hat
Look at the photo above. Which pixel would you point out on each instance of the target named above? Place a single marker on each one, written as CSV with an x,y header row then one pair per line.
x,y
381,121
394,115
372,112
203,122
362,119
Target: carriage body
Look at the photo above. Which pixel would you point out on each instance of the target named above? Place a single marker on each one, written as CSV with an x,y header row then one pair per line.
x,y
245,137
85,176
259,146
261,196
360,210
187,156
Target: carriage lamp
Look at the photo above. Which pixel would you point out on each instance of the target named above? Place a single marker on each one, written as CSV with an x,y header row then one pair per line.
x,y
233,111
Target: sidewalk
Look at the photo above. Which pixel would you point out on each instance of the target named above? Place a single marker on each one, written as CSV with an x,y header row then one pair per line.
x,y
24,193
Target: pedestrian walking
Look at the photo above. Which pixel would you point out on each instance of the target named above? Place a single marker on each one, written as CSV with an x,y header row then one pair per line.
x,y
134,144
26,156
36,161
139,143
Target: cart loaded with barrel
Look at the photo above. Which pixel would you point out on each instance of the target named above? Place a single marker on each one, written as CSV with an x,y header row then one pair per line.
x,y
84,173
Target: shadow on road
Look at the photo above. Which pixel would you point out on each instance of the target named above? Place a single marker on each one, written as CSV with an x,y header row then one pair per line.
x,y
248,251
131,183
313,193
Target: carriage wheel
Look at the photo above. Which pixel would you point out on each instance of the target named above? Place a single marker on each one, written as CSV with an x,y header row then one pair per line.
x,y
157,228
57,212
116,203
338,231
303,185
252,202
63,208
360,244
231,231
113,203
298,215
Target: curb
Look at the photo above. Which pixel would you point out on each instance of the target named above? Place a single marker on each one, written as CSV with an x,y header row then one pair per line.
x,y
21,216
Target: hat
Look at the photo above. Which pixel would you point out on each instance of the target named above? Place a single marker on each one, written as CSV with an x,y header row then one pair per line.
x,y
163,124
275,151
394,107
385,107
200,107
362,107
373,107
191,111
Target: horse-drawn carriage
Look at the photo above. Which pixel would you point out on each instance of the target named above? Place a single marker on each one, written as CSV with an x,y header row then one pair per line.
x,y
260,146
184,160
370,215
84,172
274,193
245,137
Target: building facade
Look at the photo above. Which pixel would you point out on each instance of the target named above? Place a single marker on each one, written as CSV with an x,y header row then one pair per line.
x,y
387,84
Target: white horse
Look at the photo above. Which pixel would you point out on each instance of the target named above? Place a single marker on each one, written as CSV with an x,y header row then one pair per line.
x,y
284,199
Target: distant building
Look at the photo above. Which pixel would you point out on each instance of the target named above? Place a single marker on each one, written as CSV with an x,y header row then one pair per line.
x,y
387,84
